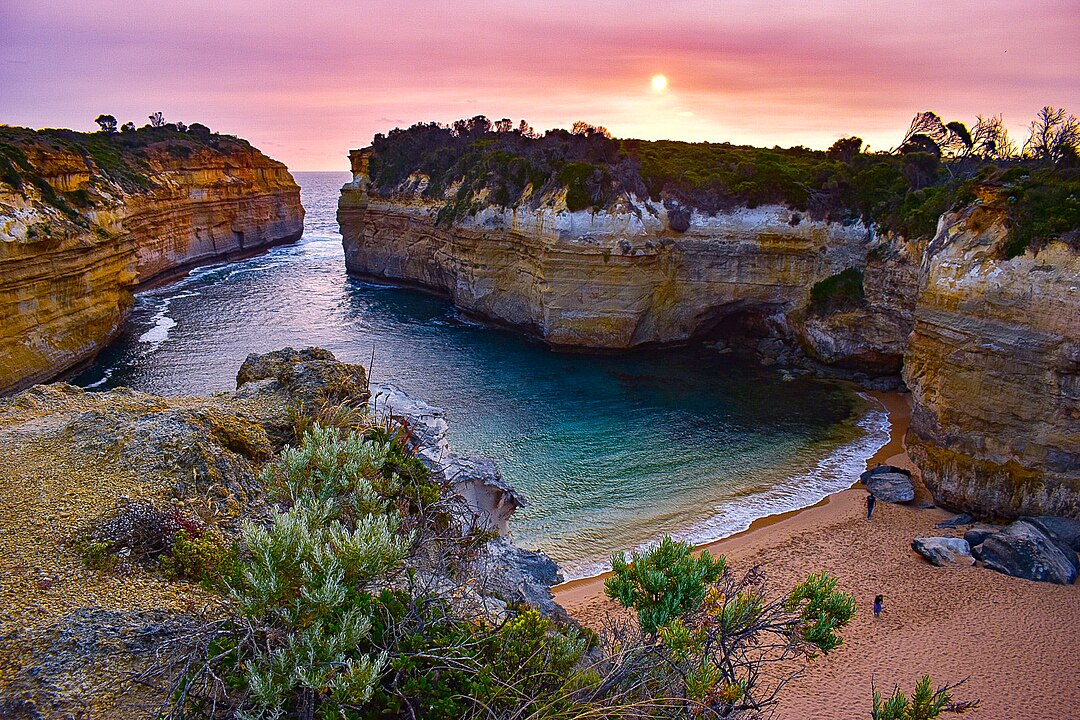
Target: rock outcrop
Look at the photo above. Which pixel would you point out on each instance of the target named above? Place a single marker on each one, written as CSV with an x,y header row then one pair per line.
x,y
889,483
73,457
78,236
612,279
944,551
1024,551
993,364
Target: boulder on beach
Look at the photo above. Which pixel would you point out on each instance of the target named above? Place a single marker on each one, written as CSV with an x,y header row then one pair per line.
x,y
889,483
956,521
944,551
976,535
1067,530
1024,551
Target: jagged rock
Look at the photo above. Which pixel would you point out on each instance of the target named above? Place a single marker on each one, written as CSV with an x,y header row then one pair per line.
x,y
944,551
889,483
476,479
956,521
518,575
976,535
1024,551
1067,530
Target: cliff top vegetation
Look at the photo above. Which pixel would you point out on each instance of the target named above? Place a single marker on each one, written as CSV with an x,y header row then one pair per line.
x,y
934,167
33,158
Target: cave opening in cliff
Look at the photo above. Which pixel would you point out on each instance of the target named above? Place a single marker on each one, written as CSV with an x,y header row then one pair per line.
x,y
738,326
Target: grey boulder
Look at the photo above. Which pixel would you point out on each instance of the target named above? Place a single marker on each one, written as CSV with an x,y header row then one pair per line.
x,y
1024,551
977,534
944,551
1067,530
889,483
956,521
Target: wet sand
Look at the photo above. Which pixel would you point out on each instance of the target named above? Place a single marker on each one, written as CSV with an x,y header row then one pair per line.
x,y
1017,642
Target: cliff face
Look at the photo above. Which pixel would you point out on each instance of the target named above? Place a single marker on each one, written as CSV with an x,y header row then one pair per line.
x,y
871,338
993,364
75,242
990,348
613,279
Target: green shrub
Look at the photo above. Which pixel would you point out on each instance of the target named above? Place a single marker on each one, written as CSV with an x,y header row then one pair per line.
x,y
925,703
205,557
662,583
95,554
836,292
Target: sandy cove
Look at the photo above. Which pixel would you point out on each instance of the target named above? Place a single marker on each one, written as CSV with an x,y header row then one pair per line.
x,y
1017,642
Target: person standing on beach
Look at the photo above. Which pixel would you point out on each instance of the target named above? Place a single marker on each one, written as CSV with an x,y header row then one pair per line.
x,y
870,502
879,603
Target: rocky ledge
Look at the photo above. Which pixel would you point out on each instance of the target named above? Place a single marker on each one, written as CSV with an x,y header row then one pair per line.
x,y
72,458
85,219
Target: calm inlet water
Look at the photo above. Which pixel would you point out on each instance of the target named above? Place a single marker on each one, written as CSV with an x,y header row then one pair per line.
x,y
611,451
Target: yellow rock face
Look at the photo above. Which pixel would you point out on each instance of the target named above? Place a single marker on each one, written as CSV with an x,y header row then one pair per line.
x,y
993,364
66,282
611,279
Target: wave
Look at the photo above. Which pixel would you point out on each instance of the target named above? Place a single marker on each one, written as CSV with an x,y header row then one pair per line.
x,y
835,472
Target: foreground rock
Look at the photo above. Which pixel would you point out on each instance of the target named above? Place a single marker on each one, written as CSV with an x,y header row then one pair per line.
x,y
73,458
76,238
1067,530
1024,551
477,479
889,483
944,551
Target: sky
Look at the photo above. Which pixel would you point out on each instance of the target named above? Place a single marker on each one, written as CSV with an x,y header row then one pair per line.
x,y
307,80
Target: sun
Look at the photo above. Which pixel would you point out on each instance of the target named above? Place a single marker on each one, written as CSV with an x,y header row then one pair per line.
x,y
659,83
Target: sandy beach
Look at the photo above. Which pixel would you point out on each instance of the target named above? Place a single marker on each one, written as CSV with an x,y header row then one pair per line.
x,y
1017,642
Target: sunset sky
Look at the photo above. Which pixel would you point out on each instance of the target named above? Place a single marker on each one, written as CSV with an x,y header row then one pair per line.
x,y
307,81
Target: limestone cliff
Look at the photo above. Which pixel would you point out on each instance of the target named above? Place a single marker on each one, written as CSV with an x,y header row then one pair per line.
x,y
993,364
988,346
85,220
612,279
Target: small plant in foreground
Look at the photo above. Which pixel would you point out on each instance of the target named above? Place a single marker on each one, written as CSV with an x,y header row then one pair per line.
x,y
925,703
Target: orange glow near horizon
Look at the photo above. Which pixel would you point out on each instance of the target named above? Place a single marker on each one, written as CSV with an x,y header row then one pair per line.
x,y
306,83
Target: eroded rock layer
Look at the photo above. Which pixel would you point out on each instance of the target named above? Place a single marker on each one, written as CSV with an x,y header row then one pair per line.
x,y
993,364
614,279
74,242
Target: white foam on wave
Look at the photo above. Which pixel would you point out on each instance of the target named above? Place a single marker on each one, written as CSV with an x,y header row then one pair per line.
x,y
104,379
835,472
161,322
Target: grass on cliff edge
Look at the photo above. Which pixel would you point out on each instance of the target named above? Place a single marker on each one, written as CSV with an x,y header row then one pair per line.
x,y
473,164
117,157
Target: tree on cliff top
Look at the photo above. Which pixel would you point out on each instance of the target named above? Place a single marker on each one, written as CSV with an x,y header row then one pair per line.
x,y
1055,136
107,123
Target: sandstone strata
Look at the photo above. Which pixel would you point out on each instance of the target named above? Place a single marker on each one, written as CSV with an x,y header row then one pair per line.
x,y
993,364
66,278
614,279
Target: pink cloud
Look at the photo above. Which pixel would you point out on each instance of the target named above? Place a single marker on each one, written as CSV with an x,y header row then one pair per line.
x,y
308,81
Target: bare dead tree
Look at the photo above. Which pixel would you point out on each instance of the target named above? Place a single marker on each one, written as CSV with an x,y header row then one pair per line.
x,y
1054,135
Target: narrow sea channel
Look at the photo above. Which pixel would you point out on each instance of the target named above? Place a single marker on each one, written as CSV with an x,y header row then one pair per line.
x,y
611,451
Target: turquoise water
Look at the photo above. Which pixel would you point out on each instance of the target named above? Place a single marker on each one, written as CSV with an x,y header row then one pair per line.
x,y
611,451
